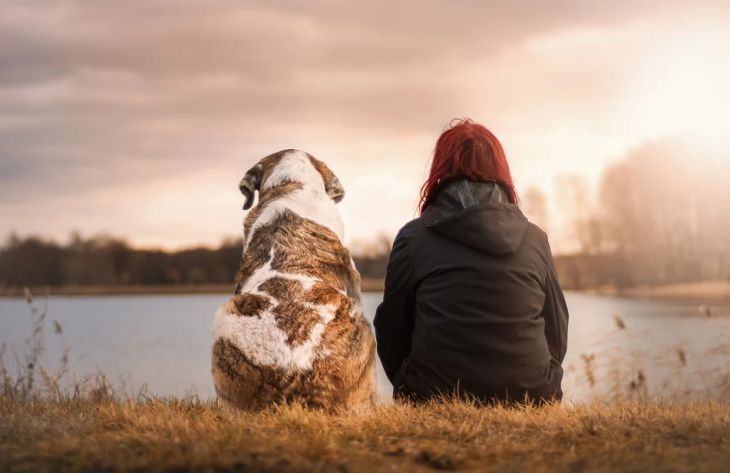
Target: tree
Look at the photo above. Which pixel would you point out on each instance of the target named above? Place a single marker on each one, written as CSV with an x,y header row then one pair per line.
x,y
534,204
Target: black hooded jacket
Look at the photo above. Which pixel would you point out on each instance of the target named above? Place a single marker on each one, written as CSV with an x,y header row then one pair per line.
x,y
472,303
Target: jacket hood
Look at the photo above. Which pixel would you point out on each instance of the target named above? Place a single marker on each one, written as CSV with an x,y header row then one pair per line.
x,y
477,214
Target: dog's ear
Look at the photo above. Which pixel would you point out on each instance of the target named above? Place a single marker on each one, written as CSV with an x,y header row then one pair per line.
x,y
332,185
250,184
334,188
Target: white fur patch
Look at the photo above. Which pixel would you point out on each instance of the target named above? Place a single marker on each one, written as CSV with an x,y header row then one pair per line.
x,y
260,338
294,166
264,343
310,202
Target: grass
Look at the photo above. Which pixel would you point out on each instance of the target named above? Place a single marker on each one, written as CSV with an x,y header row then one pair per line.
x,y
173,435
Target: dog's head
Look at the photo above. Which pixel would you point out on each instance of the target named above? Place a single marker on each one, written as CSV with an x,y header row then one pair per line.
x,y
290,165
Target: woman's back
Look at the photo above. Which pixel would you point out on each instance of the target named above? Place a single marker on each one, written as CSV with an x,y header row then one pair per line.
x,y
480,277
472,303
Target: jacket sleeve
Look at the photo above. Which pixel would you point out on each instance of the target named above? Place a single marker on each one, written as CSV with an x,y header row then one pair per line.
x,y
555,313
394,317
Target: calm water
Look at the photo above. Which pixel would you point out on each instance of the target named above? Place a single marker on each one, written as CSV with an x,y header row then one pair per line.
x,y
163,342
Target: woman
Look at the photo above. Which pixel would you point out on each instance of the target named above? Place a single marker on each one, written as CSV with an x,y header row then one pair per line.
x,y
472,304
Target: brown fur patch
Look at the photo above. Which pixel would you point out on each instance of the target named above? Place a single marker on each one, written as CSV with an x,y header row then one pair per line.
x,y
294,316
252,259
248,304
322,294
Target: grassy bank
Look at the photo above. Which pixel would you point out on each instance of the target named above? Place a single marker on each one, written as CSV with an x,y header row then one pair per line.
x,y
185,435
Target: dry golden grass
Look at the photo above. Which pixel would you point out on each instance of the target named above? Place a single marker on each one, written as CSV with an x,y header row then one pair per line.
x,y
185,435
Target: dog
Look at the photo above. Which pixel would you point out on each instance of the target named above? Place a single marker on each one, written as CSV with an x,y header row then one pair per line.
x,y
294,330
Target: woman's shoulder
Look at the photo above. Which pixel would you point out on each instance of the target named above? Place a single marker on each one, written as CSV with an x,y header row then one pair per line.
x,y
538,239
409,237
412,229
534,231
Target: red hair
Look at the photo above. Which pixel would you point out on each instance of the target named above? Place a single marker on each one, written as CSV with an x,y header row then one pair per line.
x,y
467,150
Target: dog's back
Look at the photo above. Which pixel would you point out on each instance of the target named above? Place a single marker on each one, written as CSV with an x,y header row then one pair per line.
x,y
294,330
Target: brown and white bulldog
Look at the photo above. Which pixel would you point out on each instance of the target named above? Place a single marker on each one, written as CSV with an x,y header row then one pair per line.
x,y
294,330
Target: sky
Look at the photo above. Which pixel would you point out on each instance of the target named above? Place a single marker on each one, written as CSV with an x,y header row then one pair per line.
x,y
138,118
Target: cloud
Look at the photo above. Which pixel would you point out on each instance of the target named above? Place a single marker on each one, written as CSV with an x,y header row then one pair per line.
x,y
105,96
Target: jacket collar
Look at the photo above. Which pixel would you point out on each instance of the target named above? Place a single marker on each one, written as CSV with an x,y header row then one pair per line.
x,y
457,196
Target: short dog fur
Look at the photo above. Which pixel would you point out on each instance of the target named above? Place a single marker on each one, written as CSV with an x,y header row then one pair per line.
x,y
294,330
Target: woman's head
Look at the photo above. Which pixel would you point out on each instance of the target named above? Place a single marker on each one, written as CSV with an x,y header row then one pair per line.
x,y
467,150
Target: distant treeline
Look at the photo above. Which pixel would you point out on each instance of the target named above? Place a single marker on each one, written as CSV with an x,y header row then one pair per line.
x,y
659,216
105,261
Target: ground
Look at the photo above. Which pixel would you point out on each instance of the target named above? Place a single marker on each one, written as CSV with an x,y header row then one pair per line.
x,y
175,435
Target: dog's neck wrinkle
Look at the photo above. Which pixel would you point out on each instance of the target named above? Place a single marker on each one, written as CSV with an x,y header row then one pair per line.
x,y
273,192
304,201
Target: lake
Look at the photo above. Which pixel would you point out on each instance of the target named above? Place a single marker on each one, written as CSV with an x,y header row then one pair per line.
x,y
663,349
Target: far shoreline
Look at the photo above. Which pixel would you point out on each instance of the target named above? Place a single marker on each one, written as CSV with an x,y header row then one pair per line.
x,y
368,285
699,292
713,292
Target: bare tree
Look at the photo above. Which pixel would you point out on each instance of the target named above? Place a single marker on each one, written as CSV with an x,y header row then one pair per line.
x,y
534,204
